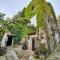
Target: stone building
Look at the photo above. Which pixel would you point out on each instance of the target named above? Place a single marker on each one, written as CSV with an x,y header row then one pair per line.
x,y
7,40
45,23
41,16
48,37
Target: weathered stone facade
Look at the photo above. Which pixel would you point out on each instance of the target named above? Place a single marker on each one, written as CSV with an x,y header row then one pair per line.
x,y
46,28
49,36
58,23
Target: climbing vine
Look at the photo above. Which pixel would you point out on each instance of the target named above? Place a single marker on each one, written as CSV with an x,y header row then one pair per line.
x,y
38,8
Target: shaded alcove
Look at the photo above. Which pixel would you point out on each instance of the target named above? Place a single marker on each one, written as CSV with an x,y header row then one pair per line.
x,y
9,41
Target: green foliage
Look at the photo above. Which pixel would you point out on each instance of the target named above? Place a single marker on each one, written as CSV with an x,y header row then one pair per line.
x,y
24,46
19,26
36,7
52,10
2,16
16,30
42,50
23,13
25,31
3,27
40,8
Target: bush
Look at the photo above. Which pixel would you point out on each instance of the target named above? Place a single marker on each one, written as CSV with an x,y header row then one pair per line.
x,y
24,46
42,50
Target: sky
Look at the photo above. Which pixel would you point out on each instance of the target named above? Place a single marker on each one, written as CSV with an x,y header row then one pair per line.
x,y
11,7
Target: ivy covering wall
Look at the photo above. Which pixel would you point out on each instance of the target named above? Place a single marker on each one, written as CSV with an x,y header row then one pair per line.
x,y
38,8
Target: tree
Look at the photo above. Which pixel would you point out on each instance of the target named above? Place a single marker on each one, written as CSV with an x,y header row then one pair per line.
x,y
22,13
19,29
2,16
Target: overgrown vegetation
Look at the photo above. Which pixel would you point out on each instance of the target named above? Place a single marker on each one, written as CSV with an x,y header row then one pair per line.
x,y
42,50
18,25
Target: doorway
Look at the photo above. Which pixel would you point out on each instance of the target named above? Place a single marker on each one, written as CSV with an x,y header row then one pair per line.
x,y
33,43
9,42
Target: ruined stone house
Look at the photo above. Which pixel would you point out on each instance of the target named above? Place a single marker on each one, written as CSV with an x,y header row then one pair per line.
x,y
7,40
39,12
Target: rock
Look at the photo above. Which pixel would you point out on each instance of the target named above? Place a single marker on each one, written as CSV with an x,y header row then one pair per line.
x,y
3,58
31,57
2,51
11,55
42,57
24,54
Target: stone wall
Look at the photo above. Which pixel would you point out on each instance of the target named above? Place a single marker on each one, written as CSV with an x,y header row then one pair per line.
x,y
58,23
52,31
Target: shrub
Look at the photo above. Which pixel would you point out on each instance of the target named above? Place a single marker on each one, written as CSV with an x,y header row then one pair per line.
x,y
42,50
24,46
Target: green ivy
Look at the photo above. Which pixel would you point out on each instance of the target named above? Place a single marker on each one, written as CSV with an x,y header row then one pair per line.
x,y
38,8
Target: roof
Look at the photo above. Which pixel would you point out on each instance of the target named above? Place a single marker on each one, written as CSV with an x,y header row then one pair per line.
x,y
32,33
